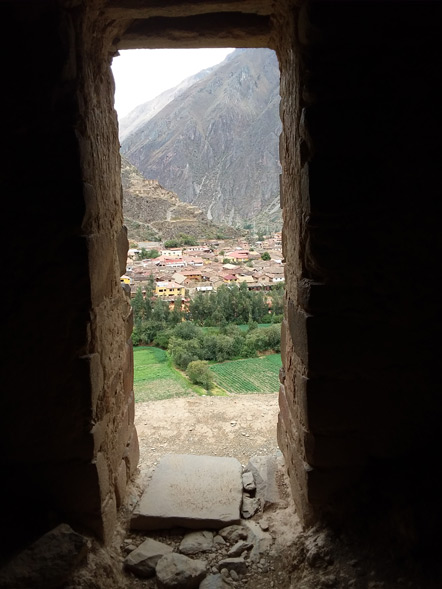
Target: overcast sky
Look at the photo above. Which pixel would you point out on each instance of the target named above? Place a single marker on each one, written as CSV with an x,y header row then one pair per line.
x,y
142,74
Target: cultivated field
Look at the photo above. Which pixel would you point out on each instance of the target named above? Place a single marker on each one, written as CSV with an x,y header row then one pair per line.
x,y
252,375
155,378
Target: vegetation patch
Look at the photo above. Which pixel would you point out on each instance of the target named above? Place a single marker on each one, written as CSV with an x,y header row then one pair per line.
x,y
252,375
155,378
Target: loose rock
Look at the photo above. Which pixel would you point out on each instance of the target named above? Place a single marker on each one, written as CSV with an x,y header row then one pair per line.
x,y
234,533
176,570
248,482
261,540
234,564
215,582
249,506
143,560
219,540
63,548
196,542
264,469
238,548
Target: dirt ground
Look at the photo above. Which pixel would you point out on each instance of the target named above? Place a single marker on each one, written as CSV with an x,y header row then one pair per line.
x,y
242,427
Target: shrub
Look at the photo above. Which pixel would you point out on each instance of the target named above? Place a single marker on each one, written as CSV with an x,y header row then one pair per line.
x,y
187,330
199,373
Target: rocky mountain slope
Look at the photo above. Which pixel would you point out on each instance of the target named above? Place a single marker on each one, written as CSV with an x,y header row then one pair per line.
x,y
216,143
144,112
152,212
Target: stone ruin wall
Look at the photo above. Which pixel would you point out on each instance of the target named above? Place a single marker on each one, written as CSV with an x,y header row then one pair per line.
x,y
109,357
359,405
68,439
360,395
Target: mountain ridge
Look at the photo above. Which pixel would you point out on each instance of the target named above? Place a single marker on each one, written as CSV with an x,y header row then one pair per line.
x,y
216,144
152,213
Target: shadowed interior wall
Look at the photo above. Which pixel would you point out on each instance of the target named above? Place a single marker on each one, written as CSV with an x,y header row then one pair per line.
x,y
68,442
360,395
360,391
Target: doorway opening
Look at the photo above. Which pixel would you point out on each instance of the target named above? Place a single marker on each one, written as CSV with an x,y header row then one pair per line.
x,y
205,267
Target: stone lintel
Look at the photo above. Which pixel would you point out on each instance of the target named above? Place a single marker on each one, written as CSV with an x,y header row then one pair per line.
x,y
229,30
135,9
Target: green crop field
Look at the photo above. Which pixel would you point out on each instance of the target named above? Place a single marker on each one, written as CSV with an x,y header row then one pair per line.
x,y
243,327
155,378
252,375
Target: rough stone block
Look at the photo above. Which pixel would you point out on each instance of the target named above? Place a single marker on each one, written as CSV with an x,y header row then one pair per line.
x,y
143,560
122,438
131,408
191,491
237,564
129,324
297,323
323,484
103,474
177,570
331,406
108,518
98,433
63,548
197,542
215,582
96,377
260,539
264,470
102,273
120,483
132,453
128,369
333,451
122,249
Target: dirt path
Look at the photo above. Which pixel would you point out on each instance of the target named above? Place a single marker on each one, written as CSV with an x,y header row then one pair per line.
x,y
240,426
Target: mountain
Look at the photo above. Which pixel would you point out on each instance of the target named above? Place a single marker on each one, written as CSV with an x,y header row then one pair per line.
x,y
144,112
216,143
154,213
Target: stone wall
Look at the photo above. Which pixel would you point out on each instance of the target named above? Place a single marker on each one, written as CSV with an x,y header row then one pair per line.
x,y
360,389
360,399
68,444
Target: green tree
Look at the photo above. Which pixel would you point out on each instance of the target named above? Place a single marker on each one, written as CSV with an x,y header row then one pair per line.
x,y
151,254
172,243
200,373
160,311
187,240
176,315
266,256
141,255
138,307
187,331
184,351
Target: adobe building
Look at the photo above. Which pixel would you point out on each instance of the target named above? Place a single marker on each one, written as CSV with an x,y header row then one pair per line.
x,y
361,395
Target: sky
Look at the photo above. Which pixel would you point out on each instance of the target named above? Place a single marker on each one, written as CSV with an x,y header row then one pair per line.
x,y
142,74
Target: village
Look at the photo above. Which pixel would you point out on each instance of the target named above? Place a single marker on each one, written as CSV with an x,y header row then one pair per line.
x,y
182,272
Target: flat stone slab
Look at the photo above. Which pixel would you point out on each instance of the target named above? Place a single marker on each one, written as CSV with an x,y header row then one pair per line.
x,y
190,491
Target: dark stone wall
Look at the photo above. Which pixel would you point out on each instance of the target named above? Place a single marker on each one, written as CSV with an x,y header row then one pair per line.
x,y
67,441
360,389
360,397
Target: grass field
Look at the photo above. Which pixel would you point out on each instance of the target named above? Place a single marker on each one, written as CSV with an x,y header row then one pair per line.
x,y
252,375
155,378
243,327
